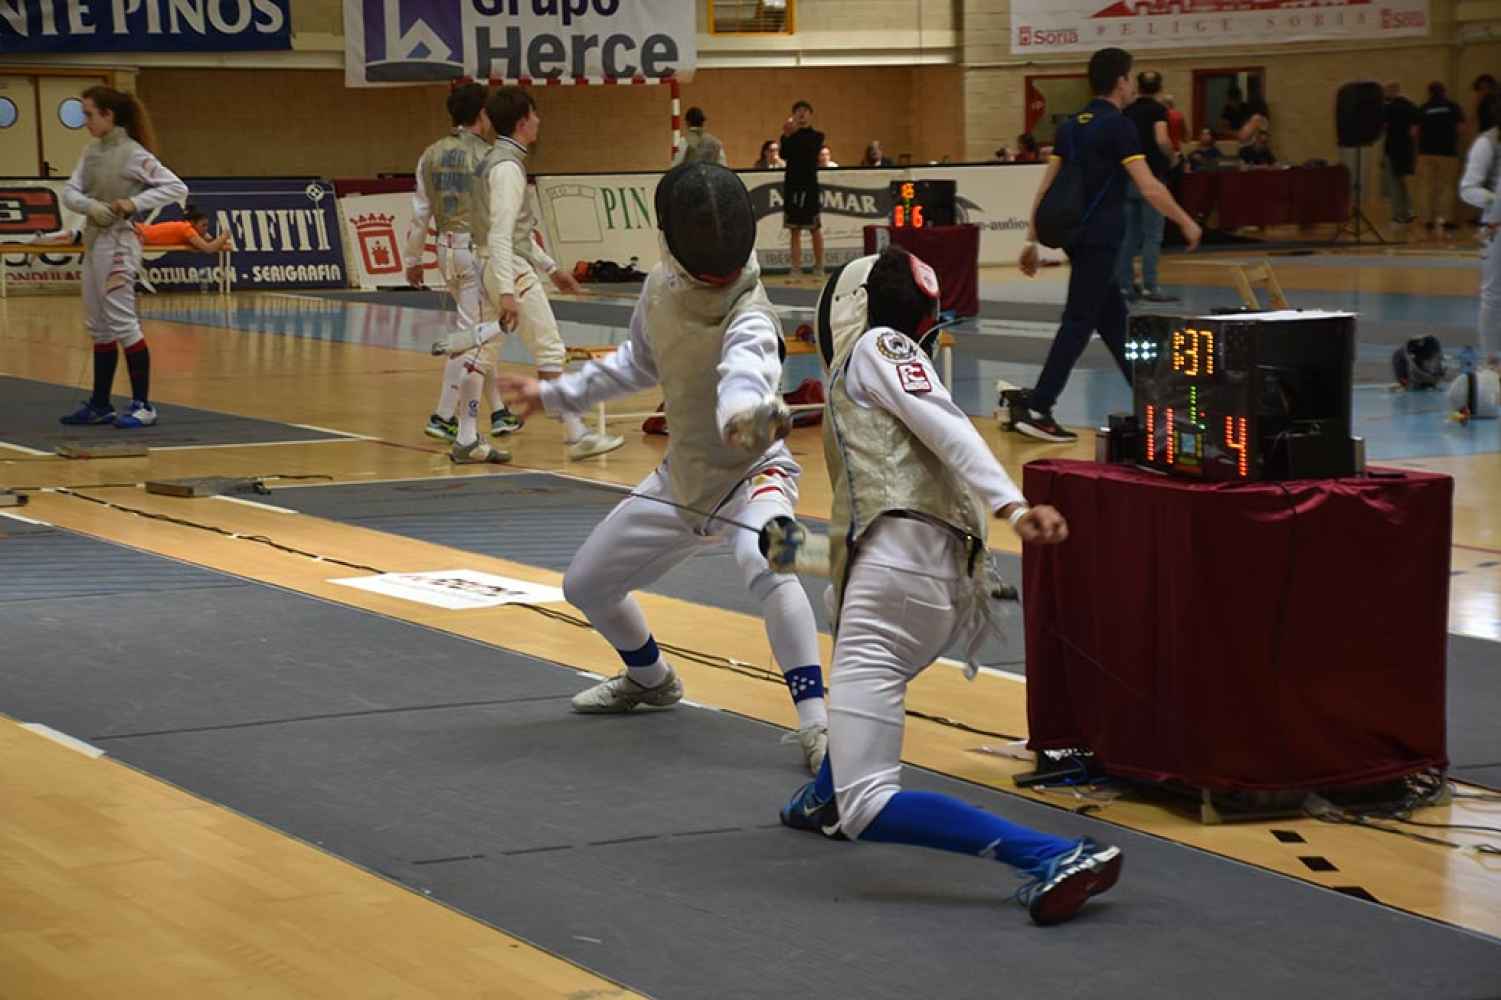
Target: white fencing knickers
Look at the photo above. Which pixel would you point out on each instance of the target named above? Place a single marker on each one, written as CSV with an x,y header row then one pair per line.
x,y
457,265
642,539
535,323
904,602
109,287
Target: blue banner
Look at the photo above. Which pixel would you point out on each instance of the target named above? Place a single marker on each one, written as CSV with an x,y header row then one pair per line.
x,y
144,25
285,234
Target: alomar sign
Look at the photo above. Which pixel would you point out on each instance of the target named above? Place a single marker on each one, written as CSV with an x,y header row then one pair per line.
x,y
1039,26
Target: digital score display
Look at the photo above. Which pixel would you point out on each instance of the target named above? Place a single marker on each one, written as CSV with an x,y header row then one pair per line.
x,y
1243,397
922,204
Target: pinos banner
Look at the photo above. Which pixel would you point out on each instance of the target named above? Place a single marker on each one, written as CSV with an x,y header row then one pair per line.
x,y
1040,26
421,41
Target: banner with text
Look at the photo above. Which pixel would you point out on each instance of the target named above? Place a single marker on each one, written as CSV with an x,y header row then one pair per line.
x,y
27,208
1041,26
389,42
285,234
144,25
375,228
610,216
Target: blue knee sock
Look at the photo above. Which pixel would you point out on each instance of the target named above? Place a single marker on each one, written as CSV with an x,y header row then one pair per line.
x,y
930,819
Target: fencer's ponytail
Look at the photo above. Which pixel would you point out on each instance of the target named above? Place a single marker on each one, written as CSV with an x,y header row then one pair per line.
x,y
129,113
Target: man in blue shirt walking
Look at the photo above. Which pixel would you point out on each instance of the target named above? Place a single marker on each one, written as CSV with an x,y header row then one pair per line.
x,y
1109,148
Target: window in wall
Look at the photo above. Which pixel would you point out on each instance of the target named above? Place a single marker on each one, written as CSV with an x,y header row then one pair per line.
x,y
70,113
751,17
8,113
1225,98
1052,99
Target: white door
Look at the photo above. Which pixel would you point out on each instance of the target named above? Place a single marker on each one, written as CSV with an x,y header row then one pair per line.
x,y
20,143
63,134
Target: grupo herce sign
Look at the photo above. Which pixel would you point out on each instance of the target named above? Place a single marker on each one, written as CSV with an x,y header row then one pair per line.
x,y
422,41
143,25
1042,26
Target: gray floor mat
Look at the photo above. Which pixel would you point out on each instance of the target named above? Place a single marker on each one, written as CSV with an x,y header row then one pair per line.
x,y
29,411
645,847
43,564
160,657
542,519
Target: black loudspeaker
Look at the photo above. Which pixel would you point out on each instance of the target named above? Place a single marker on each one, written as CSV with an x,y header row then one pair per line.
x,y
1359,111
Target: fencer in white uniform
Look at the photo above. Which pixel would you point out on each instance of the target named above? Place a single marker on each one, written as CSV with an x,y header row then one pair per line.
x,y
441,200
914,490
117,178
705,331
1478,187
511,265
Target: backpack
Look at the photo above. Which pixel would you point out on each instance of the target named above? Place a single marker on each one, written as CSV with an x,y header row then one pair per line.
x,y
1063,211
1419,363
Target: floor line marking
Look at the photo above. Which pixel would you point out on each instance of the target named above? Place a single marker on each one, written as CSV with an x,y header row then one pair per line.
x,y
257,444
23,518
29,451
71,742
254,503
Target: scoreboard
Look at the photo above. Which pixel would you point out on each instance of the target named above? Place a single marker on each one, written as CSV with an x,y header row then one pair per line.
x,y
1244,396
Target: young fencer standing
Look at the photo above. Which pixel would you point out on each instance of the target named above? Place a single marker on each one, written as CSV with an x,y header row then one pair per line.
x,y
117,178
705,331
914,489
445,177
510,264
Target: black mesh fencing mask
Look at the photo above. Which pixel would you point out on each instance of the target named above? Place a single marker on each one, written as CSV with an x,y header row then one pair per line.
x,y
705,215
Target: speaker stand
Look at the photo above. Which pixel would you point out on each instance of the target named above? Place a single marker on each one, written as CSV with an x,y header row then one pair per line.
x,y
1357,208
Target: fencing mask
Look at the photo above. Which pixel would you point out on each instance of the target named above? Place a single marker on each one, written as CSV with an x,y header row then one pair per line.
x,y
893,288
706,219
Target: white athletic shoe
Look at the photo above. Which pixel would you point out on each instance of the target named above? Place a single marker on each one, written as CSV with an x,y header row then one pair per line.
x,y
621,694
477,453
814,740
139,415
593,443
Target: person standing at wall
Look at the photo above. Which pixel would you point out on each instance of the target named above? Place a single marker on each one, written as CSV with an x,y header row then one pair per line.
x,y
1108,150
117,178
801,145
1143,223
1439,125
1400,158
699,146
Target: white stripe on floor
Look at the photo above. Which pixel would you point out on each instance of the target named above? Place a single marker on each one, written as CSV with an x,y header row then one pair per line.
x,y
71,742
254,503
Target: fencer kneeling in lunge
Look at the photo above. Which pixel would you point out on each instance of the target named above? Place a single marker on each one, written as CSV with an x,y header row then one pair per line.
x,y
705,331
914,489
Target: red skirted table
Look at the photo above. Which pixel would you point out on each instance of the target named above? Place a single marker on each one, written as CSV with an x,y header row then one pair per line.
x,y
952,251
1240,637
1267,196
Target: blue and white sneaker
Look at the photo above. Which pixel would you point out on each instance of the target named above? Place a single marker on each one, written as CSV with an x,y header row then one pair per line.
x,y
503,421
1060,887
139,415
441,430
806,811
88,415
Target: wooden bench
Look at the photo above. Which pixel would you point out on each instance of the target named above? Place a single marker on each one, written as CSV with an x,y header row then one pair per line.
x,y
1245,276
69,249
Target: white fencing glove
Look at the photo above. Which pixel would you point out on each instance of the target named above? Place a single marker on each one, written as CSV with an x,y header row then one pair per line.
x,y
755,429
460,341
102,215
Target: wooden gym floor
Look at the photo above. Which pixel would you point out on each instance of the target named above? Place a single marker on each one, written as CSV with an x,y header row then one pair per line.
x,y
101,865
